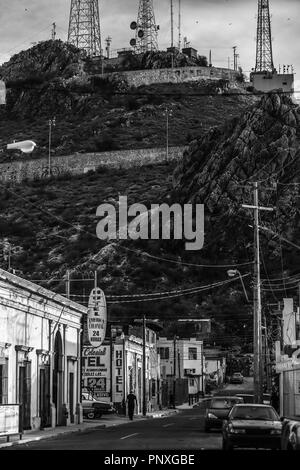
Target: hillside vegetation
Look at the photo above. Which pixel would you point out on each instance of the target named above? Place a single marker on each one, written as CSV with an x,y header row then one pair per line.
x,y
93,114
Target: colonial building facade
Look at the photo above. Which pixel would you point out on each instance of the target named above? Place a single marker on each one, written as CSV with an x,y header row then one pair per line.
x,y
39,353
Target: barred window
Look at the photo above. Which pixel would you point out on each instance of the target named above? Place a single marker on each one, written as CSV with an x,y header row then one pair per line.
x,y
164,353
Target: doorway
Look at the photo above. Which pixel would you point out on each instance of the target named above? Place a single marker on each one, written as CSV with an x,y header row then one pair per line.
x,y
25,393
57,391
44,390
71,396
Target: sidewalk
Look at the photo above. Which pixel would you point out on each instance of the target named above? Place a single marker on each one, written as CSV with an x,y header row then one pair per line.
x,y
86,426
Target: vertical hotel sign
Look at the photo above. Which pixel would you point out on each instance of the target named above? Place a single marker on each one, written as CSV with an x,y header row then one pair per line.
x,y
97,317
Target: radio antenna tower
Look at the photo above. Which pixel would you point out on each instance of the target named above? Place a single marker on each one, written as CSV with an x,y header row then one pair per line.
x,y
146,28
264,54
84,26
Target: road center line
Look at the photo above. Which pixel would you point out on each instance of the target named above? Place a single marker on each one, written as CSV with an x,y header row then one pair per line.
x,y
191,419
166,425
130,435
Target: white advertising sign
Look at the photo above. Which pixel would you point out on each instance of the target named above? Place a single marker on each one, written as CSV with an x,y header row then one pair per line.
x,y
9,419
96,371
97,317
2,92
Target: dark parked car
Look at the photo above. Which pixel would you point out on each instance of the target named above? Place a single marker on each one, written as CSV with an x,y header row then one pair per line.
x,y
218,410
252,426
93,408
237,378
249,398
290,437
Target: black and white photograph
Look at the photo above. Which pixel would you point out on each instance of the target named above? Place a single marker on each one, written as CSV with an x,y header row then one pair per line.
x,y
150,229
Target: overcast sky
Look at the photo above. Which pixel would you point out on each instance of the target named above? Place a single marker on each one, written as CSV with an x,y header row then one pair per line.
x,y
208,24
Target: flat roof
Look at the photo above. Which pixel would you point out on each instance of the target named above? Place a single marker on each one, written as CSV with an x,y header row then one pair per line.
x,y
21,283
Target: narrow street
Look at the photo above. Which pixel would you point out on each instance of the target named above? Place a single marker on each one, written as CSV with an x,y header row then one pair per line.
x,y
182,431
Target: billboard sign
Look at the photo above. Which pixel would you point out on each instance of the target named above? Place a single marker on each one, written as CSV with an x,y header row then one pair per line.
x,y
2,92
97,317
96,371
9,419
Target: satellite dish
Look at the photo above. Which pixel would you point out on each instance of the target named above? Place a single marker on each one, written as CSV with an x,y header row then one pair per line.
x,y
141,33
133,25
132,42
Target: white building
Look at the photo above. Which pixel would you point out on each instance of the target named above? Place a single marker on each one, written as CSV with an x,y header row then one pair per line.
x,y
188,359
39,353
269,81
114,369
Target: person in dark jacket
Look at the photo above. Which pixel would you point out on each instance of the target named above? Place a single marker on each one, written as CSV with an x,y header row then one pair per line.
x,y
131,401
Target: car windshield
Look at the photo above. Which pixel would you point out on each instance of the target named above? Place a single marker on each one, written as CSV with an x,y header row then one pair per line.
x,y
256,413
223,403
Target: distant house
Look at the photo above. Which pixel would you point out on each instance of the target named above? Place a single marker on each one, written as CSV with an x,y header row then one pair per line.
x,y
215,364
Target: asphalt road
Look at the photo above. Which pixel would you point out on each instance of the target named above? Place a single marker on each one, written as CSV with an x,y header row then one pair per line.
x,y
184,430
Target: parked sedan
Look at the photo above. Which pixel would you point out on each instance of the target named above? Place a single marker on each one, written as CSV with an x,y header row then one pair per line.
x,y
93,408
218,410
252,426
237,378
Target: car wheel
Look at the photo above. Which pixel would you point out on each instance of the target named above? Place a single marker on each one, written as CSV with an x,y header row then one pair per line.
x,y
206,428
91,415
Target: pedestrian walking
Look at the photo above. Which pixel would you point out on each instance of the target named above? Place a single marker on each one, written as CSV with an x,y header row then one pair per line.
x,y
131,401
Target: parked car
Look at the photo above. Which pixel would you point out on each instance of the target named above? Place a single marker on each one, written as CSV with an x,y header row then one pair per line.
x,y
252,426
290,437
93,408
249,398
218,410
237,378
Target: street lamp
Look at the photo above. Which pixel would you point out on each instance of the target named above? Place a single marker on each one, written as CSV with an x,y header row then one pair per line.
x,y
26,146
168,112
52,122
233,273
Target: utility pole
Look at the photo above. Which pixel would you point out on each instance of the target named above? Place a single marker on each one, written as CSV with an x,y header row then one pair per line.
x,y
202,369
257,337
174,374
68,291
144,367
52,123
234,58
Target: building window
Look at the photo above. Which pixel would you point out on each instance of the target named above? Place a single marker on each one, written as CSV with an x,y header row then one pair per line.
x,y
3,381
153,389
164,353
192,382
192,354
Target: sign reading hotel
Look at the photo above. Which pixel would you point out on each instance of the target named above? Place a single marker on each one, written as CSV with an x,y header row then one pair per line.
x,y
96,371
118,373
97,317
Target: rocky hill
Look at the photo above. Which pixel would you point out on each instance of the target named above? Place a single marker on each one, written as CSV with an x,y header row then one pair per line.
x,y
53,79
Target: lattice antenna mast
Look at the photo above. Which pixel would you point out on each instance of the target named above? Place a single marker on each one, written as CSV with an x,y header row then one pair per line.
x,y
264,53
84,26
146,32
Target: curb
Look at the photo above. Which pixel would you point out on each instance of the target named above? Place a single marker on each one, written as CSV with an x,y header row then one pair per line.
x,y
26,440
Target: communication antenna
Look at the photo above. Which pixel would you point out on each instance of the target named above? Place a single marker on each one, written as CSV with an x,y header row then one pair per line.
x,y
172,24
53,32
264,53
179,25
145,28
84,26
